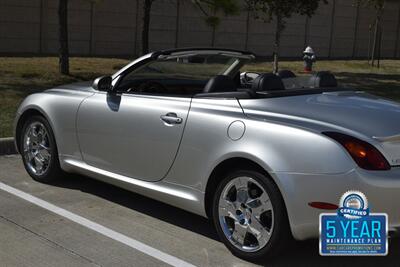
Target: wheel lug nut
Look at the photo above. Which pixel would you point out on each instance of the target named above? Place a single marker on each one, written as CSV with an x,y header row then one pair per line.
x,y
242,221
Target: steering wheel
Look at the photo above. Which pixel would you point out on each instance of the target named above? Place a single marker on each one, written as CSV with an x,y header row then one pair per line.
x,y
151,87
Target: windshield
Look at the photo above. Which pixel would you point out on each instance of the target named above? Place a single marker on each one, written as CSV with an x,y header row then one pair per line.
x,y
197,67
181,73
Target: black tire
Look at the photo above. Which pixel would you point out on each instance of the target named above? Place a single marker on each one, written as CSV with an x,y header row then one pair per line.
x,y
281,236
53,171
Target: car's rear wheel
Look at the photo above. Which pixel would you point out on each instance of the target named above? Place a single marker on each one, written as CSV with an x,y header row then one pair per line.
x,y
250,216
39,150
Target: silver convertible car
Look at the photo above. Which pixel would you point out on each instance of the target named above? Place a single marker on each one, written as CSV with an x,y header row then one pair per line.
x,y
260,154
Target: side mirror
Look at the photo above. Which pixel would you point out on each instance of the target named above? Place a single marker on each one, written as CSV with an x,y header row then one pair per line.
x,y
103,83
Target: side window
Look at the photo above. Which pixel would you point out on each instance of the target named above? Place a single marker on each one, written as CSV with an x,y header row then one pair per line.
x,y
175,76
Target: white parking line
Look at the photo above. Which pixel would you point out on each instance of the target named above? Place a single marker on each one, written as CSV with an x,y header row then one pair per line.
x,y
155,253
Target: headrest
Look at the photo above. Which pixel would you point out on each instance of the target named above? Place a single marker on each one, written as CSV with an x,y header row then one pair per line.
x,y
220,83
323,79
286,74
267,82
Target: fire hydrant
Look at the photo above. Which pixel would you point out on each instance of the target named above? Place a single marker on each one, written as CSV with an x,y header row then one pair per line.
x,y
309,58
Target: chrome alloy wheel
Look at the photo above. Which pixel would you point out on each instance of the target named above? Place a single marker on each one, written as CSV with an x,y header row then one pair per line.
x,y
36,148
246,215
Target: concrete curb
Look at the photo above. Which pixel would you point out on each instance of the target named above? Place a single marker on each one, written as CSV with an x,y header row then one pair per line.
x,y
7,146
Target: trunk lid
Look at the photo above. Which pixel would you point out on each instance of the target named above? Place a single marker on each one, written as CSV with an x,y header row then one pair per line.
x,y
366,114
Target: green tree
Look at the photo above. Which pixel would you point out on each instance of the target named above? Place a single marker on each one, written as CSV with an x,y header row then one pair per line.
x,y
210,10
280,11
92,3
63,36
146,25
208,7
378,6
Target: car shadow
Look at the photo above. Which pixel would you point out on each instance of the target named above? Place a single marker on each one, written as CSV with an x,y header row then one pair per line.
x,y
299,253
142,204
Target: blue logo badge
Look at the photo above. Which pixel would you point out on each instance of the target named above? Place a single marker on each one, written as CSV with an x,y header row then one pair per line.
x,y
353,230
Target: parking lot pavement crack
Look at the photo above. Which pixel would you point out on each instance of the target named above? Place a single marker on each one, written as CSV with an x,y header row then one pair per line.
x,y
52,242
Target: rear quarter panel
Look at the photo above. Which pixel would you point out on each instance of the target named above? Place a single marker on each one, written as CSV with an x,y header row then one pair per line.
x,y
276,146
281,149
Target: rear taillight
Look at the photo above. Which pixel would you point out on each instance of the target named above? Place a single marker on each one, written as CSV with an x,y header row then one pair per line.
x,y
364,154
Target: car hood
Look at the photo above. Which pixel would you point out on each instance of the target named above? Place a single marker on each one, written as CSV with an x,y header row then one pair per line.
x,y
370,116
78,86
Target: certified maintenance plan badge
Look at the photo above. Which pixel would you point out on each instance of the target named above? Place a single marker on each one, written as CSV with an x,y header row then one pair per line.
x,y
353,230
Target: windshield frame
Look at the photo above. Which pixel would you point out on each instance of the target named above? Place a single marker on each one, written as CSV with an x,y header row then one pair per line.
x,y
241,57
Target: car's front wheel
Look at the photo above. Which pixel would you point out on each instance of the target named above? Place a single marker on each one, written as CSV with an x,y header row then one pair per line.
x,y
250,216
39,151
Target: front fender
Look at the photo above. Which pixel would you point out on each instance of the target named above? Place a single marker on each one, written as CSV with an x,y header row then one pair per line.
x,y
60,109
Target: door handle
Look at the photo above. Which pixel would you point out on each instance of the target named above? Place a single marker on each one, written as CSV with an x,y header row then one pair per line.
x,y
171,118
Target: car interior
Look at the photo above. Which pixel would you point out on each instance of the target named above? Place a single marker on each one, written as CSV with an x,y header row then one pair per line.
x,y
243,85
195,76
253,85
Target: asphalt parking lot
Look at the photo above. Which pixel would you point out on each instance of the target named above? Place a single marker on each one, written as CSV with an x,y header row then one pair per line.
x,y
127,229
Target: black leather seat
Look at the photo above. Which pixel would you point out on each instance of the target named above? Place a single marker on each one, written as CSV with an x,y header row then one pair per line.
x,y
267,82
220,84
323,79
284,74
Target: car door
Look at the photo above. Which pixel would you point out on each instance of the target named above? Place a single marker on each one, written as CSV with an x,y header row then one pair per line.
x,y
131,134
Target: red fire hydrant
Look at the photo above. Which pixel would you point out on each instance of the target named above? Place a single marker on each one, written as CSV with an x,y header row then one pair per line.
x,y
309,58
